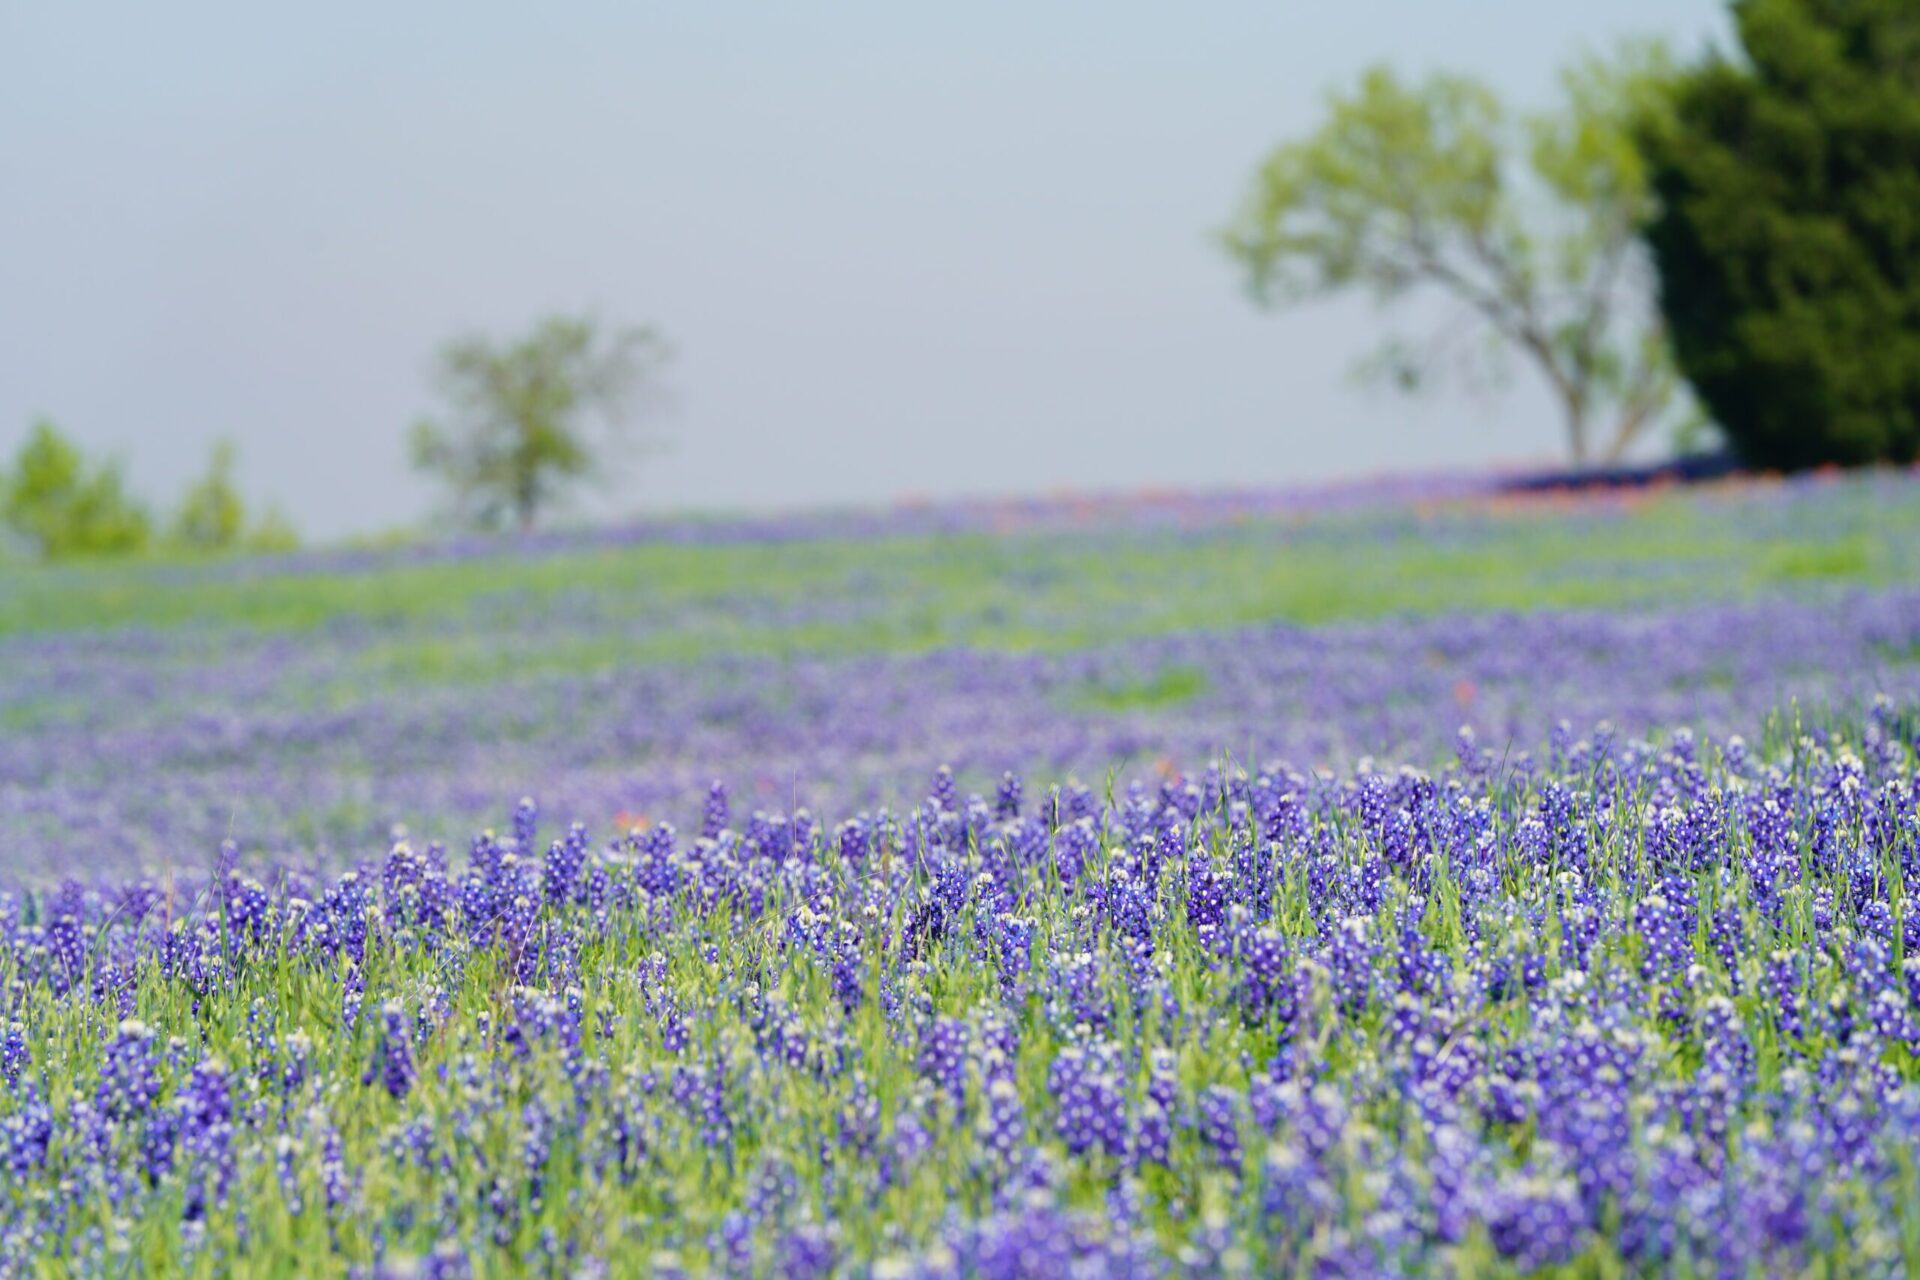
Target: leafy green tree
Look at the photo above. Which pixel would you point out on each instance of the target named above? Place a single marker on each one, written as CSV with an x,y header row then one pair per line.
x,y
272,531
213,516
529,420
1788,231
61,506
1526,224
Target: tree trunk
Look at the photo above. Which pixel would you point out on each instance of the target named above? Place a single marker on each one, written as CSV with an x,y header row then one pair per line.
x,y
1572,391
526,504
1576,430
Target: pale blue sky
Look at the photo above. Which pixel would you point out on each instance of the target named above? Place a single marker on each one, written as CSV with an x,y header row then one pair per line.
x,y
903,249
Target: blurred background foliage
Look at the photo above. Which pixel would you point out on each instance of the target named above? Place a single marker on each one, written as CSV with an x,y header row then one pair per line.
x,y
1528,223
1728,248
1748,227
58,504
529,420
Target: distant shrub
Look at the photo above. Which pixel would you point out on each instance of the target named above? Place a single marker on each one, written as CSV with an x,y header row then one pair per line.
x,y
213,516
56,504
60,505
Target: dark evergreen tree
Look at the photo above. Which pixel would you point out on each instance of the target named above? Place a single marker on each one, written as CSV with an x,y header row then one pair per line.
x,y
1788,233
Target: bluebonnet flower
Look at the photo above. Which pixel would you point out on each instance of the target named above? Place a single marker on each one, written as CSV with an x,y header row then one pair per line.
x,y
566,859
943,796
808,1253
1091,1113
1152,1138
14,1054
27,1133
1006,803
714,813
392,1063
526,820
943,1055
129,1073
1783,985
1535,1222
1001,1128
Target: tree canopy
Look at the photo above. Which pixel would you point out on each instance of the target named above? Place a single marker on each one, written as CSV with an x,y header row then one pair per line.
x,y
529,420
1525,223
1788,231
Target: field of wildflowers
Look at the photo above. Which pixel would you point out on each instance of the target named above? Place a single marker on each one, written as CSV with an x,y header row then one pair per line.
x,y
1475,891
